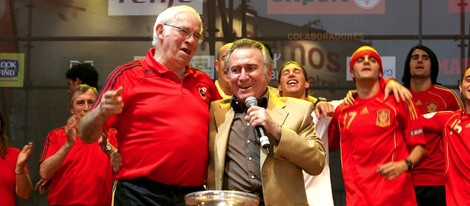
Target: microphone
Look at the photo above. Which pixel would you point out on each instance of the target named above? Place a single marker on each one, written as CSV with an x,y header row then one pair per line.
x,y
264,140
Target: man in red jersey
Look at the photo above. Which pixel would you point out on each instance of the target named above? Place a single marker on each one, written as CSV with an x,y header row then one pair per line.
x,y
455,129
159,106
71,172
380,140
420,76
293,82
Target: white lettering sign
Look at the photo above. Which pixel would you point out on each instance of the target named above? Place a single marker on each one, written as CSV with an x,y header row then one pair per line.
x,y
147,7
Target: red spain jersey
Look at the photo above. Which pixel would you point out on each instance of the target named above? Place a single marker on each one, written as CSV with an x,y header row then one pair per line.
x,y
162,131
455,129
430,171
85,177
370,133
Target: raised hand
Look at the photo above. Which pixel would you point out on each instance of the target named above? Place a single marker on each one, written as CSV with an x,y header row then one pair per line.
x,y
111,103
23,157
72,129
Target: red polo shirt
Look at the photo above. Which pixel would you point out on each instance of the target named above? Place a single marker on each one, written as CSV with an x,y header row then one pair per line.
x,y
162,130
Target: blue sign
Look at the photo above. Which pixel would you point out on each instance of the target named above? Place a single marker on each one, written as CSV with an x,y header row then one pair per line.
x,y
9,68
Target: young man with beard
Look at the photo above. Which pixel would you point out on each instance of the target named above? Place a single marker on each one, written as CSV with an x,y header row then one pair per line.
x,y
293,82
420,77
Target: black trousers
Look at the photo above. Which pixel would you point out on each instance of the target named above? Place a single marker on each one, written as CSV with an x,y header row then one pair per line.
x,y
144,192
431,195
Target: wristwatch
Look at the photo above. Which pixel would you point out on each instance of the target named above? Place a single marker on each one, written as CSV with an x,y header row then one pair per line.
x,y
409,164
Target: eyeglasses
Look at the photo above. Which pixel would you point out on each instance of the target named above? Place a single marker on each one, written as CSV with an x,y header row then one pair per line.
x,y
186,33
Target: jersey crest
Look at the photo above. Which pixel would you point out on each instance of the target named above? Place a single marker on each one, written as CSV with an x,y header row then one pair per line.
x,y
203,92
431,107
383,118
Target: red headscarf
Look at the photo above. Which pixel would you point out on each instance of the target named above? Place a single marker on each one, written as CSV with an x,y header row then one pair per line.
x,y
362,51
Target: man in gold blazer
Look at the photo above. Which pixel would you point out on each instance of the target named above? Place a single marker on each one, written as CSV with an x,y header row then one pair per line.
x,y
236,159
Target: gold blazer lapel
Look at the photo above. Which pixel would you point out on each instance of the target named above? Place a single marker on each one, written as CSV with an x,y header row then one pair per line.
x,y
277,112
276,109
223,118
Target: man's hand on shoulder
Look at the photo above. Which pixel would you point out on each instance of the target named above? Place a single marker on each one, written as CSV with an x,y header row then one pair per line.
x,y
324,109
399,91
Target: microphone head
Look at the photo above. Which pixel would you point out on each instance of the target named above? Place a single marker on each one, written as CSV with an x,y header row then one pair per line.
x,y
251,101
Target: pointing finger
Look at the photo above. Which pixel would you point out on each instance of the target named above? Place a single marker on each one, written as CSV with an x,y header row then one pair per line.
x,y
118,92
113,94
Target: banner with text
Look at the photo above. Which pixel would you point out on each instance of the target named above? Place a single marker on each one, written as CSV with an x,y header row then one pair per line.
x,y
326,7
147,8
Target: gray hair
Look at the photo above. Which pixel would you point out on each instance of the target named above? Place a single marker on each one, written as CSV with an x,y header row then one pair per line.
x,y
250,43
169,14
81,88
